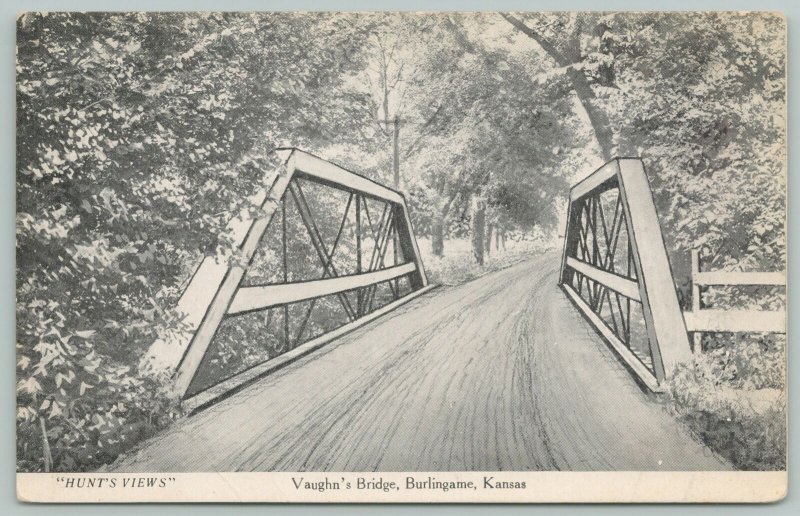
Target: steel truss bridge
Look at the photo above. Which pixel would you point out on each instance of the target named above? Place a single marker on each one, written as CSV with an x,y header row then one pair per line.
x,y
330,251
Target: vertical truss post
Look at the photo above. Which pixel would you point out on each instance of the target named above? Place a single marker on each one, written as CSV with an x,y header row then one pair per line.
x,y
408,245
571,239
359,292
697,336
286,342
628,261
396,289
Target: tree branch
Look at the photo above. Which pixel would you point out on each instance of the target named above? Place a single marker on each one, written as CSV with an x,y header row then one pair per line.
x,y
558,57
423,133
580,84
460,37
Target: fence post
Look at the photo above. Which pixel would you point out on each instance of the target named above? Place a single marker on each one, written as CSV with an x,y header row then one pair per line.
x,y
697,336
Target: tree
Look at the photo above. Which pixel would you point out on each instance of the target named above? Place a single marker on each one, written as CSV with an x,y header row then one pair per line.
x,y
700,98
488,109
139,136
563,45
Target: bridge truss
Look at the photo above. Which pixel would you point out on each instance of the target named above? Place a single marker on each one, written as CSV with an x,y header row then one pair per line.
x,y
615,270
293,261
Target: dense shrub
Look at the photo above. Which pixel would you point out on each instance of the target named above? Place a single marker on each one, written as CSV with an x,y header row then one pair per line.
x,y
733,398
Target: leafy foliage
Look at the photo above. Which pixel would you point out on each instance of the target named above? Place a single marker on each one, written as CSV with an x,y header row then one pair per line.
x,y
139,136
733,397
702,100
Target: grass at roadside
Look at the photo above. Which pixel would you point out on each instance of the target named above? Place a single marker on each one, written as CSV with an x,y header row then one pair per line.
x,y
733,399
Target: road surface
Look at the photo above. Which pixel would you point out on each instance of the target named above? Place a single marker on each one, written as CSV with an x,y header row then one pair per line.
x,y
501,373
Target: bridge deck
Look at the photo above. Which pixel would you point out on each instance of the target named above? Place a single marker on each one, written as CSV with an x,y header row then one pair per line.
x,y
501,373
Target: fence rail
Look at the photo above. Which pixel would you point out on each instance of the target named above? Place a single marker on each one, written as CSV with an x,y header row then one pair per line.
x,y
700,320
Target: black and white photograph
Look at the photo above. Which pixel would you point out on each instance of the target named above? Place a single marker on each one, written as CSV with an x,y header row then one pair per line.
x,y
400,256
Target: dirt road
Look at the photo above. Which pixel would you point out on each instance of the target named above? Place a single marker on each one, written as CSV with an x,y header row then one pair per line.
x,y
501,373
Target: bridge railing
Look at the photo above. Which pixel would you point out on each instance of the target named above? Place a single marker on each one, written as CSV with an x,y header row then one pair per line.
x,y
715,320
222,293
616,271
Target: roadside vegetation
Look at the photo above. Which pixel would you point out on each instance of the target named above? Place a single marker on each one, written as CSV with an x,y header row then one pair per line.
x,y
458,266
733,398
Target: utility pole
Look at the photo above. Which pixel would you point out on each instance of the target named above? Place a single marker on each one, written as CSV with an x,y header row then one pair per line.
x,y
396,171
396,161
396,121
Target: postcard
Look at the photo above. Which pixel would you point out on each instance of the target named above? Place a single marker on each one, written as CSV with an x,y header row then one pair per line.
x,y
401,257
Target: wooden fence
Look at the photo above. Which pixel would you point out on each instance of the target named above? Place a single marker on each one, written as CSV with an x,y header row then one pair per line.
x,y
700,320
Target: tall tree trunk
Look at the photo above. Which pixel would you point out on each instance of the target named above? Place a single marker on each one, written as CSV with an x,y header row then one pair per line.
x,y
437,234
478,228
600,124
597,117
48,456
488,243
439,223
